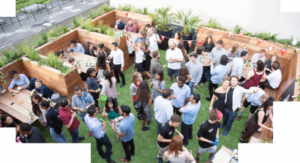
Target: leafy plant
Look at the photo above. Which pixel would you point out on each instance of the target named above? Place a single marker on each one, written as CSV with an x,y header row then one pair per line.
x,y
88,26
164,18
102,28
75,22
273,37
31,53
54,33
64,29
298,44
187,21
249,34
124,7
137,10
154,17
145,10
237,29
3,61
286,42
53,61
11,55
92,14
105,8
110,32
2,76
212,23
44,37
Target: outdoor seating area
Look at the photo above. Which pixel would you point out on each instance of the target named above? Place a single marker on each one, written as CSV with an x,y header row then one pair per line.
x,y
139,88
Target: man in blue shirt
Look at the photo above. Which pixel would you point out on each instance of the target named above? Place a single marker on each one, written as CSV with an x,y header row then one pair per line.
x,y
41,88
81,101
181,95
76,47
20,80
190,111
217,75
126,132
99,132
119,24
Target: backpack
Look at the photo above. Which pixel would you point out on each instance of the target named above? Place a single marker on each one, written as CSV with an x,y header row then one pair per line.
x,y
139,107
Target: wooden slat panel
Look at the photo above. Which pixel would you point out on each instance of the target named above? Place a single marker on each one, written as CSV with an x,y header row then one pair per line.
x,y
14,113
107,18
23,100
15,107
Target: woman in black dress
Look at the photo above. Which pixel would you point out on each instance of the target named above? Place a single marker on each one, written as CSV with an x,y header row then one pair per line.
x,y
220,94
147,61
90,50
100,49
208,44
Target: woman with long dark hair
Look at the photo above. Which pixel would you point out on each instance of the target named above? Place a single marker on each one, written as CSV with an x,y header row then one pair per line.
x,y
109,86
208,44
264,112
158,84
106,52
147,61
92,84
8,121
111,110
143,94
100,49
101,65
35,102
177,153
183,71
219,94
90,50
182,48
254,76
232,53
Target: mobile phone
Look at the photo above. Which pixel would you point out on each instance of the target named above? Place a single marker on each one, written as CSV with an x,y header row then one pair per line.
x,y
12,103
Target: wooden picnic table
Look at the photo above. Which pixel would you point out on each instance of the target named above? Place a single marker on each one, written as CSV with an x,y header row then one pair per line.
x,y
246,71
82,60
18,105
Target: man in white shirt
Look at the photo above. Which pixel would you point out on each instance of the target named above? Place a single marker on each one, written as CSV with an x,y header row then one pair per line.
x,y
118,61
174,58
258,56
163,108
238,64
152,40
76,47
272,80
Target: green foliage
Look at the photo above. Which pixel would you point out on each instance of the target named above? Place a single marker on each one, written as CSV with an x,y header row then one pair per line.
x,y
2,76
249,34
298,44
212,23
124,7
102,28
40,39
23,3
64,29
3,61
145,10
31,53
75,22
9,56
92,14
54,33
53,61
237,29
20,48
110,32
164,18
137,10
44,37
88,25
187,21
154,17
286,42
105,9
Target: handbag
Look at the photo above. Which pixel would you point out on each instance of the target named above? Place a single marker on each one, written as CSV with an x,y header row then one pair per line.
x,y
139,107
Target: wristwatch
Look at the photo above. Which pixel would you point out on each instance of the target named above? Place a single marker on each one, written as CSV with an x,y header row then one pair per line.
x,y
254,91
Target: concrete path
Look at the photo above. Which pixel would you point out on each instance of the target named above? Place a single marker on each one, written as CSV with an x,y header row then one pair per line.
x,y
15,33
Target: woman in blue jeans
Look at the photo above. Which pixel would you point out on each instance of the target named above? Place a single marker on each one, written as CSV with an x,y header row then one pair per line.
x,y
53,122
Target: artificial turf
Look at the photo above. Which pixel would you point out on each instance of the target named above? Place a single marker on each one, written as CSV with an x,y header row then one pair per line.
x,y
145,141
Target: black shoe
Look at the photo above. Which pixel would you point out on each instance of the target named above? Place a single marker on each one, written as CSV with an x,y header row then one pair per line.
x,y
111,161
122,85
190,138
242,141
118,81
81,138
208,99
148,122
145,128
186,144
243,132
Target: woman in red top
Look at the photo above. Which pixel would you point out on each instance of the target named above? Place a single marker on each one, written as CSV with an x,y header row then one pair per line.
x,y
254,76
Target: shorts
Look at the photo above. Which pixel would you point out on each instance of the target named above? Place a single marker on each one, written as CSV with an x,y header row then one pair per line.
x,y
172,72
252,108
162,150
139,67
211,149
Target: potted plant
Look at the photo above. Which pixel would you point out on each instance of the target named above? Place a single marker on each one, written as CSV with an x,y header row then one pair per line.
x,y
188,23
164,18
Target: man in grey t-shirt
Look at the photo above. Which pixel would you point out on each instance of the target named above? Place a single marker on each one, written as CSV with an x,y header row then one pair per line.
x,y
217,53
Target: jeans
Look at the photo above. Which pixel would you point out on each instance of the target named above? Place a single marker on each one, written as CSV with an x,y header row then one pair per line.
x,y
228,119
175,109
158,126
116,101
191,84
187,132
128,152
117,71
106,142
75,135
60,138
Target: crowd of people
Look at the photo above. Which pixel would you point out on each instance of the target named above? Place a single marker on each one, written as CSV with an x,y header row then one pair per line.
x,y
174,106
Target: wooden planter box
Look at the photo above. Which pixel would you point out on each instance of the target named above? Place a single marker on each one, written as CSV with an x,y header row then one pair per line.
x,y
53,78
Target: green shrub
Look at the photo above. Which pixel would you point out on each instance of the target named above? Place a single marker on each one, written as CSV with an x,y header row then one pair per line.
x,y
53,61
187,21
249,34
105,9
212,23
92,14
138,11
124,7
3,61
88,26
75,22
237,29
44,37
64,29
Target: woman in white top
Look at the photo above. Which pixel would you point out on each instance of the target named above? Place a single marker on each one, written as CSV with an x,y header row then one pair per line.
x,y
101,66
176,153
139,55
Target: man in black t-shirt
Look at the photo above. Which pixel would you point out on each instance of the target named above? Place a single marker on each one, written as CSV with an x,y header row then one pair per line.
x,y
31,134
208,134
166,134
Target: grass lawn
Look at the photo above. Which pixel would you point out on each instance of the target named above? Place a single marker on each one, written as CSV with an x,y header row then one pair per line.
x,y
23,3
145,141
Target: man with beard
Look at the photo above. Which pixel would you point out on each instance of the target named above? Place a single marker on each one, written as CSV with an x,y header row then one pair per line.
x,y
155,64
174,58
